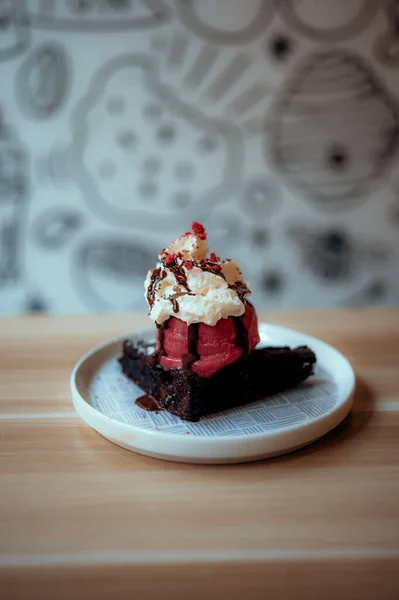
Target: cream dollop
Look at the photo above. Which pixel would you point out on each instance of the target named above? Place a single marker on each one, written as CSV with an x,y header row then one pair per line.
x,y
189,246
196,289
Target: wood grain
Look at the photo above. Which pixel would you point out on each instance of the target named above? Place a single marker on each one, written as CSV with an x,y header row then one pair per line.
x,y
82,517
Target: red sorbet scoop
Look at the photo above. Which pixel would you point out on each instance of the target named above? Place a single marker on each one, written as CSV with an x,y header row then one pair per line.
x,y
217,346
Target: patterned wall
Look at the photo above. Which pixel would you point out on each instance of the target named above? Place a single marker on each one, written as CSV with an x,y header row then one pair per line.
x,y
276,123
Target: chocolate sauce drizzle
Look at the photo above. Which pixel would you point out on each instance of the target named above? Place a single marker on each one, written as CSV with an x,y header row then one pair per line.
x,y
241,335
157,275
192,346
238,286
180,275
173,300
241,289
181,278
175,304
209,267
161,339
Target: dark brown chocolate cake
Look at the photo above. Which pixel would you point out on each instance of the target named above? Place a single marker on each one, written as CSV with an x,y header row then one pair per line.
x,y
183,393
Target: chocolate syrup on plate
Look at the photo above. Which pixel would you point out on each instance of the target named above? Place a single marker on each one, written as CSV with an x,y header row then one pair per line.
x,y
148,403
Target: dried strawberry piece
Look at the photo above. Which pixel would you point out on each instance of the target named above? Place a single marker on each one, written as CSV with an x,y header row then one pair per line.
x,y
213,257
188,265
199,230
216,268
169,259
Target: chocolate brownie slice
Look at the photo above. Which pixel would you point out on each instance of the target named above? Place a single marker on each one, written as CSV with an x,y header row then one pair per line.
x,y
183,393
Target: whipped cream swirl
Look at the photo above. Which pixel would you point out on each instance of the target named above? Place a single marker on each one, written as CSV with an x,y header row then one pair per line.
x,y
193,287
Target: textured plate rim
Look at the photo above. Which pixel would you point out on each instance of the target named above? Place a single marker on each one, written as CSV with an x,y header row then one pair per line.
x,y
199,448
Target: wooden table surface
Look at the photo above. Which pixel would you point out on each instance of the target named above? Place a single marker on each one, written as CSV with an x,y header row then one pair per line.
x,y
81,517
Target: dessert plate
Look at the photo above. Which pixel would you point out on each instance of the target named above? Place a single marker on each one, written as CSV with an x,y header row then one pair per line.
x,y
105,399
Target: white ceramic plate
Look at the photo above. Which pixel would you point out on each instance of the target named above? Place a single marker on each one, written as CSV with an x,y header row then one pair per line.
x,y
104,398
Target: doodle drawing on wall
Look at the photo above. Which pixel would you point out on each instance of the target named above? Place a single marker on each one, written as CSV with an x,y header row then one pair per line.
x,y
14,35
226,21
108,272
42,81
331,21
97,15
13,197
54,228
374,292
143,157
333,255
261,198
387,45
223,84
333,129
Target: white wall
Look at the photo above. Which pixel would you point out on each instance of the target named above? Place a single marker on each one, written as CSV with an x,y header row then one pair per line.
x,y
122,121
